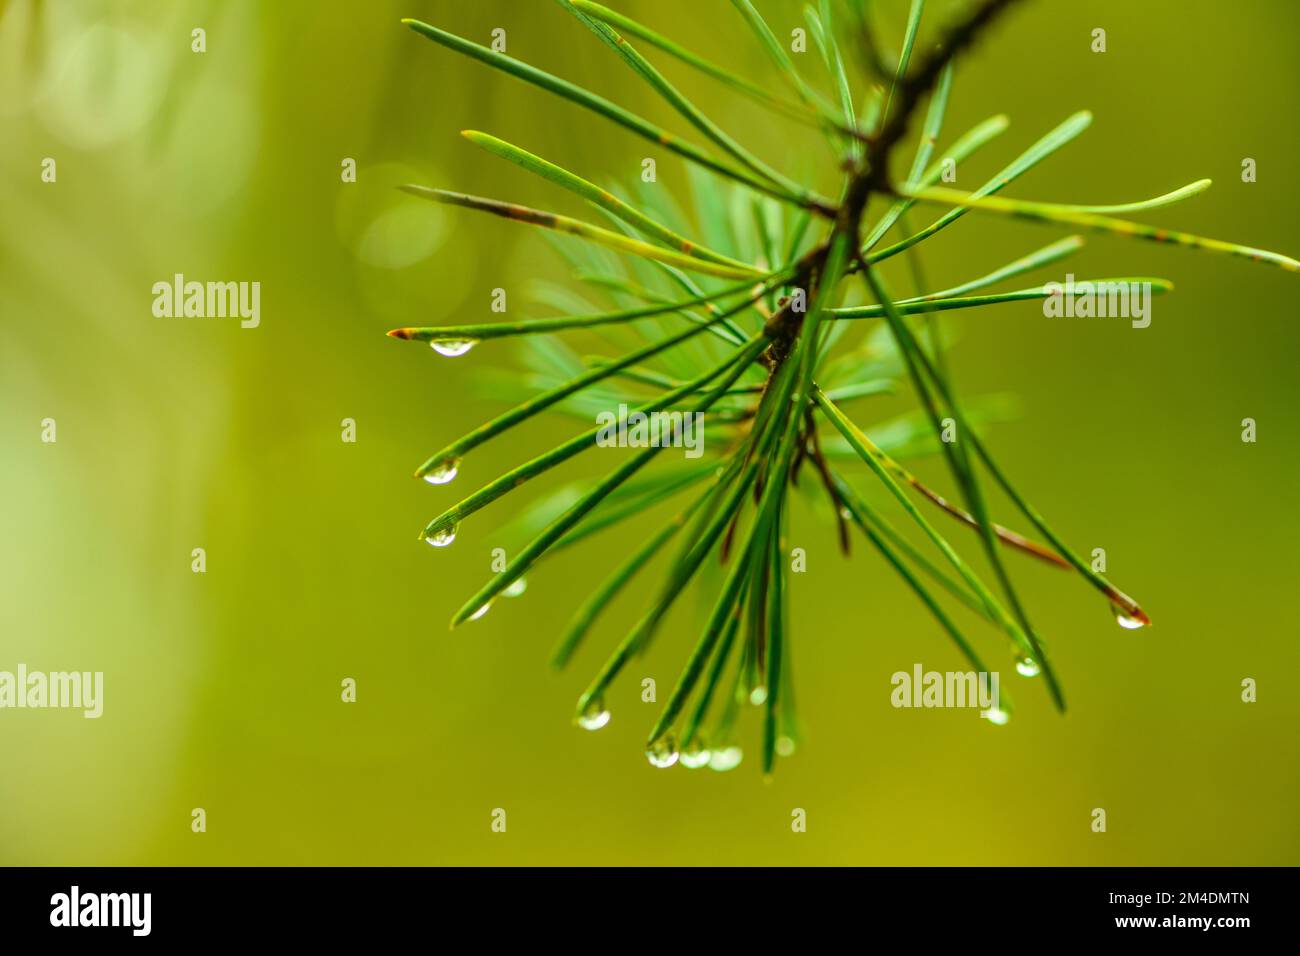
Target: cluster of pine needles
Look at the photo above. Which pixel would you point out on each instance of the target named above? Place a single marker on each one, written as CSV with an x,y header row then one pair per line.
x,y
745,326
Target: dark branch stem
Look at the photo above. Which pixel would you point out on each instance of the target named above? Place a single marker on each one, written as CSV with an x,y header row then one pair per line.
x,y
911,89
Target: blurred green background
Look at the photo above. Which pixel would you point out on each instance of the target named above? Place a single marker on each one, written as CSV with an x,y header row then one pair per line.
x,y
222,689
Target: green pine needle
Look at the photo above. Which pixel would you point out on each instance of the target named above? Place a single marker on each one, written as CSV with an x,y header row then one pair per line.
x,y
747,327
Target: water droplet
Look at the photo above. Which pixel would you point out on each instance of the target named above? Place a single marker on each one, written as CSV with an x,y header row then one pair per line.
x,y
1126,621
442,537
758,696
1026,666
662,752
728,758
442,472
452,347
996,715
785,746
480,612
846,514
517,587
695,755
594,715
